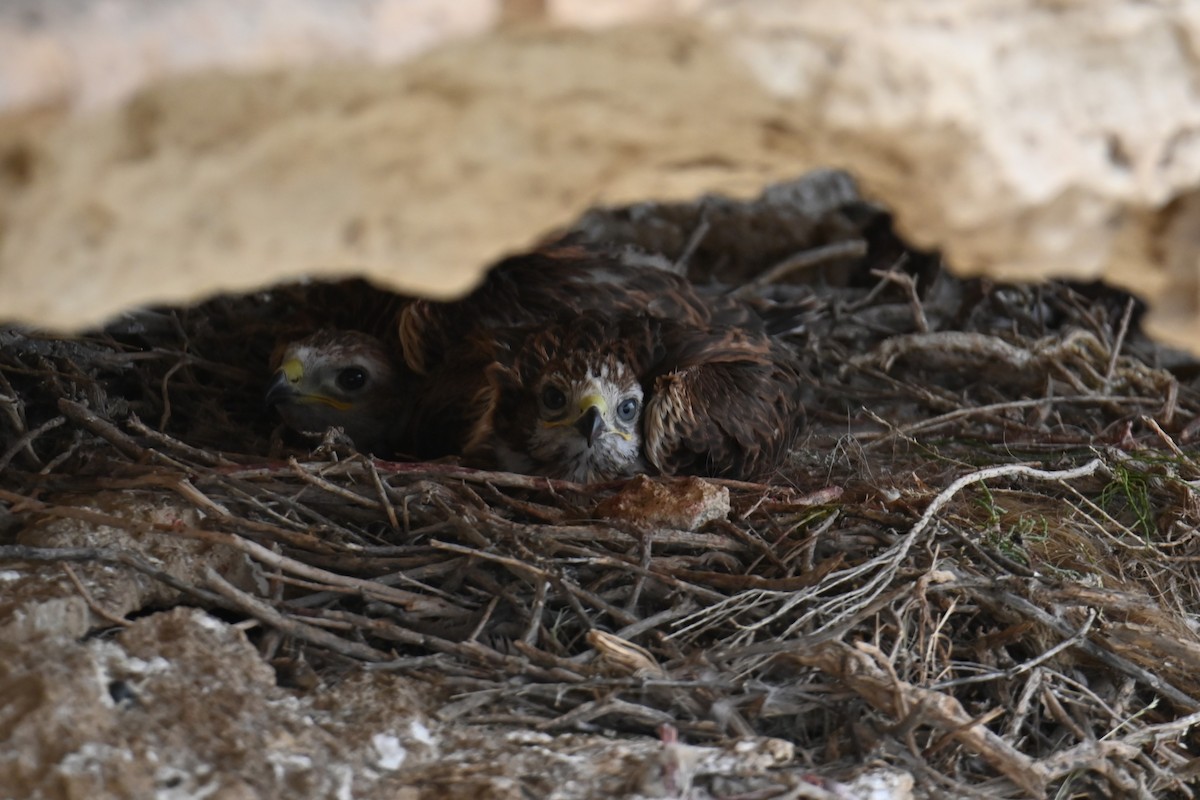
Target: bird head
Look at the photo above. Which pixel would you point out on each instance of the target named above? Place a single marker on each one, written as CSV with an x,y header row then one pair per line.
x,y
588,419
340,379
570,405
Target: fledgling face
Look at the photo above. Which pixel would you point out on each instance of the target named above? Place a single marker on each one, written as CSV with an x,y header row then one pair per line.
x,y
340,379
565,400
587,426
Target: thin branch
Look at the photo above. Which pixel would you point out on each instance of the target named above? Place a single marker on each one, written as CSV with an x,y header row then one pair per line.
x,y
805,259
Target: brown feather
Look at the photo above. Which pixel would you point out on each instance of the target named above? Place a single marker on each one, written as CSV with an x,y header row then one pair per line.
x,y
313,397
536,288
717,401
591,343
444,349
725,402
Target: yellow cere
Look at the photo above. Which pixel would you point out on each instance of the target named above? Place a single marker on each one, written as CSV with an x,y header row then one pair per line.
x,y
590,401
292,369
584,404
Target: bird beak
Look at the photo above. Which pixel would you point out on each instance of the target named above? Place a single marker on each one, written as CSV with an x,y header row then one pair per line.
x,y
591,421
283,385
287,387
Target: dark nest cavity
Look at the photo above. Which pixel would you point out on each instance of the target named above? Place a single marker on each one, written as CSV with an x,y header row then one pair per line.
x,y
980,563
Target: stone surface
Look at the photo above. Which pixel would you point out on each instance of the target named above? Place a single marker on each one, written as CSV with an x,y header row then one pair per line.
x,y
181,704
42,600
1026,139
178,705
683,504
90,54
418,176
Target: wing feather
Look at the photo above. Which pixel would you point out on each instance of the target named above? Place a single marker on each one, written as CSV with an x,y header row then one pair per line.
x,y
538,288
722,399
724,403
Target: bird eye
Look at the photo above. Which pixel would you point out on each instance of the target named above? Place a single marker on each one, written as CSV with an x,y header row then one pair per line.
x,y
553,399
352,378
628,409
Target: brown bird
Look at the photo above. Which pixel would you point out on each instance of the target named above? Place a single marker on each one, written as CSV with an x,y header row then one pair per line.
x,y
343,379
426,402
596,397
357,382
534,288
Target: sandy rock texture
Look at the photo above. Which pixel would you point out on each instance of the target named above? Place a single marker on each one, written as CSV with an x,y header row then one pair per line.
x,y
87,54
180,704
418,175
48,600
1023,138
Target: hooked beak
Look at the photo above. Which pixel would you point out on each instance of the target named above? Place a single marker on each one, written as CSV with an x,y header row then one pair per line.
x,y
590,423
287,387
281,389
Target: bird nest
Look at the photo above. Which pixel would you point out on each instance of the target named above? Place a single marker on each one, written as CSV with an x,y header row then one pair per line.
x,y
979,565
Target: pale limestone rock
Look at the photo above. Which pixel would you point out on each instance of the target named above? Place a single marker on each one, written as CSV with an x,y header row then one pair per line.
x,y
1026,139
94,54
182,704
39,599
417,176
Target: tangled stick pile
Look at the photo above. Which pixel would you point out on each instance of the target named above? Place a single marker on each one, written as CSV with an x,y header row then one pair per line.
x,y
979,565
